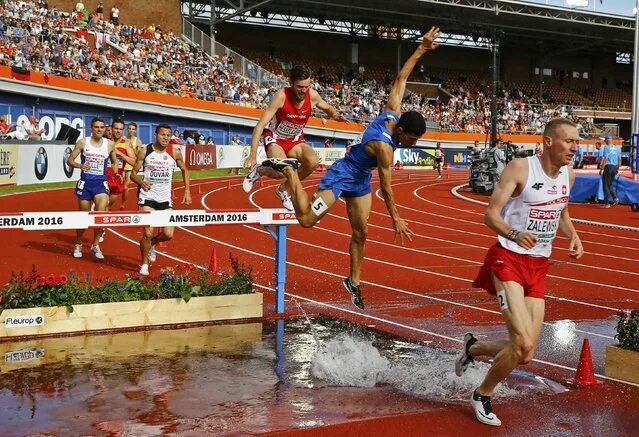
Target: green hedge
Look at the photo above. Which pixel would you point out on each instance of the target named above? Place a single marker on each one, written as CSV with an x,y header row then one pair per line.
x,y
180,281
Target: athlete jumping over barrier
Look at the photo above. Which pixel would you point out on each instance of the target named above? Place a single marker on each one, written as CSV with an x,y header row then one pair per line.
x,y
350,177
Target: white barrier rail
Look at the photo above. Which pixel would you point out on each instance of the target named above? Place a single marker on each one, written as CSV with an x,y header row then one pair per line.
x,y
274,221
60,220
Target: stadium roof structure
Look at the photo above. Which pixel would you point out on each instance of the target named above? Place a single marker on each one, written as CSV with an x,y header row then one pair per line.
x,y
524,25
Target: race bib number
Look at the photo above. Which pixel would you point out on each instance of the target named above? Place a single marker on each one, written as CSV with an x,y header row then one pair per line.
x,y
80,185
96,165
288,130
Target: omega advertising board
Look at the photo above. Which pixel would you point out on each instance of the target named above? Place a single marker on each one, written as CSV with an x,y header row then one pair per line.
x,y
199,156
235,156
8,164
42,162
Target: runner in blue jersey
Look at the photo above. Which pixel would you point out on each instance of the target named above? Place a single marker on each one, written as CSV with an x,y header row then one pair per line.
x,y
92,188
350,177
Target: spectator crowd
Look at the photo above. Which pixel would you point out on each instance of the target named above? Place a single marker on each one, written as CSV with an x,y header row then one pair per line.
x,y
35,37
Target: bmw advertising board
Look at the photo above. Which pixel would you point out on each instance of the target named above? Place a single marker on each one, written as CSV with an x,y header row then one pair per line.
x,y
42,162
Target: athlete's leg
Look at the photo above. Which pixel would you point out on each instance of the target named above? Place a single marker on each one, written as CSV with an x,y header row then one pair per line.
x,y
305,154
165,235
359,209
307,213
524,317
272,151
147,236
83,205
101,202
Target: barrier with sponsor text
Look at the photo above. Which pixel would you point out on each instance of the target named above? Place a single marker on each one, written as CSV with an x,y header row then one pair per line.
x,y
236,156
45,163
199,156
91,219
8,164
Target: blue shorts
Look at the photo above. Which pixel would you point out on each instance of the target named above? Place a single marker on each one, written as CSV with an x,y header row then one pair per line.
x,y
87,190
341,180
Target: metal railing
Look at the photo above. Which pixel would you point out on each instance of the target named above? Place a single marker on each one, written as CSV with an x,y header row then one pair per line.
x,y
242,65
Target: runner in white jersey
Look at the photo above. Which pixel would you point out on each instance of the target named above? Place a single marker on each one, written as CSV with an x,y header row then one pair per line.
x,y
528,206
158,161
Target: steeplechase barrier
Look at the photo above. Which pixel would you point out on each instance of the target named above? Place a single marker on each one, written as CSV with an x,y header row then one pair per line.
x,y
275,221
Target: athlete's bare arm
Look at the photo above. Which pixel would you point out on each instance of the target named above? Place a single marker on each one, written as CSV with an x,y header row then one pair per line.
x,y
186,199
144,184
115,165
276,103
576,249
512,183
319,102
129,156
79,147
396,95
384,154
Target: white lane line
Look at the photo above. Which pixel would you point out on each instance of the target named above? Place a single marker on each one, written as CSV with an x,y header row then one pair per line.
x,y
379,319
455,192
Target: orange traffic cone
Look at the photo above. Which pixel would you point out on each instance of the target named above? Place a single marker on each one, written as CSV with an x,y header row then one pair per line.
x,y
585,375
213,262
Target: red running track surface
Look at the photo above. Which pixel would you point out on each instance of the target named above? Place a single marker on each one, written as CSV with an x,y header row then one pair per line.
x,y
421,291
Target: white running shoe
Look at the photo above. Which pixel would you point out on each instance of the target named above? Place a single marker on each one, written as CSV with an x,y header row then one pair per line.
x,y
484,410
285,198
250,179
97,252
102,234
144,270
465,358
77,251
152,254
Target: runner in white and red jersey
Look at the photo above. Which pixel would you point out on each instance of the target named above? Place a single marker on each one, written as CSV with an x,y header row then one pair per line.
x,y
528,206
158,161
281,130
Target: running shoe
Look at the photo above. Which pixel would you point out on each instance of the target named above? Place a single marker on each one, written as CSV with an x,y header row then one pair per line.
x,y
354,291
97,252
144,270
285,198
615,202
152,254
484,410
77,251
465,358
281,164
250,179
102,234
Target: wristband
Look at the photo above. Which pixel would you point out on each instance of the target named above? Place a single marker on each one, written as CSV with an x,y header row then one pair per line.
x,y
513,234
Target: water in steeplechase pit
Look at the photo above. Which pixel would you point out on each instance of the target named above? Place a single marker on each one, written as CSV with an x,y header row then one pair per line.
x,y
235,379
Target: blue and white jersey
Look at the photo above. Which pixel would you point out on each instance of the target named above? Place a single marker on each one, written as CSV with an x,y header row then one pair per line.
x,y
96,157
360,162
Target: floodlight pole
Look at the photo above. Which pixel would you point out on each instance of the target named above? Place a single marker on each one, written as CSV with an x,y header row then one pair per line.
x,y
493,105
635,95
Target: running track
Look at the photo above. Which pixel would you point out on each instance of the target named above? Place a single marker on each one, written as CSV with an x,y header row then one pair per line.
x,y
421,291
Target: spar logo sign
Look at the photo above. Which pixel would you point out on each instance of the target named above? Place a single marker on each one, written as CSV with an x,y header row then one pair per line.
x,y
23,321
117,219
284,216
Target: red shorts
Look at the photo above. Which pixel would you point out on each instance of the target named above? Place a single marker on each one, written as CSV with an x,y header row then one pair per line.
x,y
115,185
528,271
285,143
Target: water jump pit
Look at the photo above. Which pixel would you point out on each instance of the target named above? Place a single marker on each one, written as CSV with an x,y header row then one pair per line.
x,y
234,379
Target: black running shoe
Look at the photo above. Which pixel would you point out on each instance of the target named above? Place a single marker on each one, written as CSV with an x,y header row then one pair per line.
x,y
465,358
281,164
484,410
356,295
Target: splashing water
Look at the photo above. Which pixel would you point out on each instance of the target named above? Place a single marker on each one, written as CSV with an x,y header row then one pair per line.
x,y
318,342
349,360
